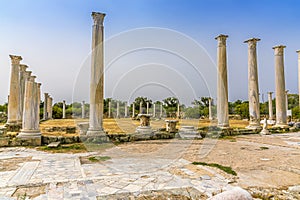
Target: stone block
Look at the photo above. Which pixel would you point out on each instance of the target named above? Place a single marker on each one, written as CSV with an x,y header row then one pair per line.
x,y
234,194
53,144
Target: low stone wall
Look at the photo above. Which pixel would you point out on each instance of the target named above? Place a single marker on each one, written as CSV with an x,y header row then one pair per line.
x,y
67,129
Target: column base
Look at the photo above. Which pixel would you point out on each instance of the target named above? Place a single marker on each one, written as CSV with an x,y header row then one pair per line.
x,y
281,125
144,129
93,132
30,137
254,127
224,126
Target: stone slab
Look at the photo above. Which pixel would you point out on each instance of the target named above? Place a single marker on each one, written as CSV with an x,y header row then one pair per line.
x,y
24,174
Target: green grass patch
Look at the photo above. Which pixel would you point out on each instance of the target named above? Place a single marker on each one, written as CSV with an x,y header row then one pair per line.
x,y
226,169
67,148
99,158
264,148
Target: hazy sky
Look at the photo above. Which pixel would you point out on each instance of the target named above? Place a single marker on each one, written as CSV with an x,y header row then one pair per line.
x,y
154,48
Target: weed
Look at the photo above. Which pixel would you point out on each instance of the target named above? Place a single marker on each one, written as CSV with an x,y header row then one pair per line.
x,y
226,169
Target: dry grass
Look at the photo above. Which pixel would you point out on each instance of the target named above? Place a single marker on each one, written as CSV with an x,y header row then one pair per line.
x,y
128,125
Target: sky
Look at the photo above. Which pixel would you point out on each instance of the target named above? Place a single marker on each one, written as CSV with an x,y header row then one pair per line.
x,y
153,48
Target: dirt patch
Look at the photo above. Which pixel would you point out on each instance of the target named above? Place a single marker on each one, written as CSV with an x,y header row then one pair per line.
x,y
11,164
29,192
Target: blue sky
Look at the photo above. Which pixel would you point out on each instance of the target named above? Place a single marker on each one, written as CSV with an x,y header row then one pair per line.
x,y
54,39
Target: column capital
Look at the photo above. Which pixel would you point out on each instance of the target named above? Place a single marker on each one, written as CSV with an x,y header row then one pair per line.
x,y
98,18
39,84
28,73
15,59
279,50
298,51
221,39
31,78
270,92
64,101
252,42
23,68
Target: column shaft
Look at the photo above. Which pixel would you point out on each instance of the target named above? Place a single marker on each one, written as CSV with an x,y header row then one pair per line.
x,y
222,107
270,106
64,109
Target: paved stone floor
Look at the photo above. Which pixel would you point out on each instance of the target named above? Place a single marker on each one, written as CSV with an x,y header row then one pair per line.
x,y
63,176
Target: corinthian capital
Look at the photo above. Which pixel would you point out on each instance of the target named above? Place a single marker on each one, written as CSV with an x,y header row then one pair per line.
x,y
279,50
98,18
15,59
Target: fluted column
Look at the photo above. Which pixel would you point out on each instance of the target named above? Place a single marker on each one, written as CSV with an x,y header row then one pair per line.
x,y
253,92
30,128
13,117
118,109
298,52
271,117
222,99
97,78
133,110
82,110
22,79
37,106
281,119
210,116
64,110
45,115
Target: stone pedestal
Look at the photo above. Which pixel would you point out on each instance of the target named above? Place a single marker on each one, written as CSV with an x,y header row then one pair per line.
x,y
222,98
64,109
30,127
13,117
97,78
253,93
144,124
281,118
171,126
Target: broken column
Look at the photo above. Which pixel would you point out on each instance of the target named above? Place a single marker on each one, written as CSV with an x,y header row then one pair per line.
x,y
144,124
13,121
83,110
270,106
253,93
64,109
97,78
222,98
281,118
30,128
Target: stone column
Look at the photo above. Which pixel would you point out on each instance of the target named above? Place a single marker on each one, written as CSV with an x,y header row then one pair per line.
x,y
37,106
126,110
45,115
286,100
118,109
22,79
154,107
109,109
64,110
222,99
97,77
147,107
161,111
281,119
83,110
133,110
30,130
298,52
178,110
141,107
253,93
210,116
49,104
14,92
270,106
